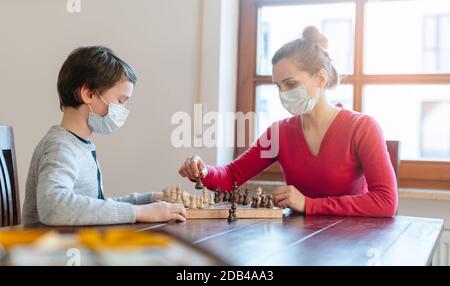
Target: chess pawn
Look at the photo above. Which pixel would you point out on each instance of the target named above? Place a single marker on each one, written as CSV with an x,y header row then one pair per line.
x,y
241,199
205,195
166,194
245,199
193,204
258,201
186,199
173,195
269,204
212,199
231,197
254,202
262,202
201,204
179,198
217,196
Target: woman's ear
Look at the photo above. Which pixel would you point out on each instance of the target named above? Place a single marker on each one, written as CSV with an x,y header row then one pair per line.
x,y
322,78
86,94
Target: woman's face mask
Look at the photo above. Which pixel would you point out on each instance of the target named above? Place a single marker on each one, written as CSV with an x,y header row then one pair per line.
x,y
297,101
112,121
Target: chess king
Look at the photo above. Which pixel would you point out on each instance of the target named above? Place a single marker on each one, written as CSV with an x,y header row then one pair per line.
x,y
334,160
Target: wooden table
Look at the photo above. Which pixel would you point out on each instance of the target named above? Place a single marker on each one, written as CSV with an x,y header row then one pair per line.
x,y
310,240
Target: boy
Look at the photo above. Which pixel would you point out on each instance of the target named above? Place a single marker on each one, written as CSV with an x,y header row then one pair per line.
x,y
64,184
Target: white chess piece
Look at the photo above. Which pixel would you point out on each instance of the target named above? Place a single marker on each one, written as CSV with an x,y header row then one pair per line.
x,y
173,195
258,195
205,194
179,198
186,200
166,194
211,199
193,204
201,205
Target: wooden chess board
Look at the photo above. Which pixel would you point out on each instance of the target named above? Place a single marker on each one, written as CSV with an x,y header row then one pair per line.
x,y
220,210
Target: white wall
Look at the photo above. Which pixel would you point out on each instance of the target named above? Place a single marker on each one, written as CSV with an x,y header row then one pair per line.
x,y
158,37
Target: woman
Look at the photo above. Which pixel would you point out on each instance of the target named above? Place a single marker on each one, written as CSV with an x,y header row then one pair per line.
x,y
334,161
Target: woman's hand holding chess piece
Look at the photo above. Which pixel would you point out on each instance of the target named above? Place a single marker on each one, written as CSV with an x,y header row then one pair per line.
x,y
194,169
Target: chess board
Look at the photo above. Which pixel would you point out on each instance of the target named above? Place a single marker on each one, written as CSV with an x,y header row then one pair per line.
x,y
220,210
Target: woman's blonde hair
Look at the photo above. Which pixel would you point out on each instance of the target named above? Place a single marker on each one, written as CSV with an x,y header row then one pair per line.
x,y
310,55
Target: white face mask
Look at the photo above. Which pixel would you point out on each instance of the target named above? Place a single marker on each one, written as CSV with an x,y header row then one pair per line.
x,y
116,117
297,101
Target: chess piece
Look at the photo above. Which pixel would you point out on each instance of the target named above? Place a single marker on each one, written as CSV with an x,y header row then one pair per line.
x,y
225,197
185,199
205,195
173,195
234,205
212,199
254,202
258,191
199,183
230,215
166,194
179,198
246,198
217,196
241,199
193,204
201,204
262,202
269,204
233,208
231,197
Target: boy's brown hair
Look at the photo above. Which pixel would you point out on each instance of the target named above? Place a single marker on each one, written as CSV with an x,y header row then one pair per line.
x,y
97,67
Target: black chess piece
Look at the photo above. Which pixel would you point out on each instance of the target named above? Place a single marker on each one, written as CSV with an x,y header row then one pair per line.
x,y
269,204
254,202
199,183
241,199
233,213
230,215
262,202
231,197
217,196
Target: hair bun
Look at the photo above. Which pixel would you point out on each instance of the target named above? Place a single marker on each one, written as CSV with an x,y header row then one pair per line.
x,y
311,34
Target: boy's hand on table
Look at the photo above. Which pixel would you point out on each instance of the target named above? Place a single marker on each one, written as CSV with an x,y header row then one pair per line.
x,y
193,167
157,197
160,212
289,197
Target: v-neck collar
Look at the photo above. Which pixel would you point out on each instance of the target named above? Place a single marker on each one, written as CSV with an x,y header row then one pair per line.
x,y
325,138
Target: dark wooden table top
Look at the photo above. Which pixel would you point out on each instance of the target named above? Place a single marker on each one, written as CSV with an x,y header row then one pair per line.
x,y
308,240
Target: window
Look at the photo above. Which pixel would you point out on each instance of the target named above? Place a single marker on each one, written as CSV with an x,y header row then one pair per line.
x,y
396,70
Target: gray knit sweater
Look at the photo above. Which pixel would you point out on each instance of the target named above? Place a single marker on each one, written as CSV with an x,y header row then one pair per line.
x,y
63,186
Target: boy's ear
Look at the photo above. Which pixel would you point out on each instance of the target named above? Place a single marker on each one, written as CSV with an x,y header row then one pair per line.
x,y
86,94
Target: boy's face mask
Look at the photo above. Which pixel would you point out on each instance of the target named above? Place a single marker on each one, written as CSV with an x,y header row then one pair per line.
x,y
297,100
116,117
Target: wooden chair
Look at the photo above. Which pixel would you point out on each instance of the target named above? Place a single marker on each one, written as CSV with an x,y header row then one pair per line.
x,y
393,148
9,190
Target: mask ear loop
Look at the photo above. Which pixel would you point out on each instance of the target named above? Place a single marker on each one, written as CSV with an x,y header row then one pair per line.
x,y
101,97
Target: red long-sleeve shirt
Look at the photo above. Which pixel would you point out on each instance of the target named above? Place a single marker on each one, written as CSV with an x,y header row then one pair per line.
x,y
350,176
